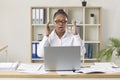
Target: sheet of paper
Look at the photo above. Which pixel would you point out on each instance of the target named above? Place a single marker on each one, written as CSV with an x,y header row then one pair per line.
x,y
66,72
105,64
103,67
8,65
32,68
94,70
29,67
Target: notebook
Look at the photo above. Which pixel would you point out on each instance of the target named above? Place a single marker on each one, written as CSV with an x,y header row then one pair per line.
x,y
62,58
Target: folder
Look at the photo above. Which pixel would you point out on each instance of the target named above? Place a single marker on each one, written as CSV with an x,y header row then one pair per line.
x,y
41,16
37,16
33,15
35,45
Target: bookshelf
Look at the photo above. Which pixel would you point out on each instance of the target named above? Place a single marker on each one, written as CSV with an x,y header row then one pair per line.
x,y
88,26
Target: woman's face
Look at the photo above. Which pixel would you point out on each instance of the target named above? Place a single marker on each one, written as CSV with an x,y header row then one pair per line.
x,y
60,22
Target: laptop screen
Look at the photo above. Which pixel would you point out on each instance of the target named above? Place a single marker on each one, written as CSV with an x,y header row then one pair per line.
x,y
62,58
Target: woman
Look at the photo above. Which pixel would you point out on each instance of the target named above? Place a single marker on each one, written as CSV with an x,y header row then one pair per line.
x,y
59,36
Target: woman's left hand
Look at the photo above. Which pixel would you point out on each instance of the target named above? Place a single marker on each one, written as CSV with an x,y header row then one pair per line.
x,y
74,32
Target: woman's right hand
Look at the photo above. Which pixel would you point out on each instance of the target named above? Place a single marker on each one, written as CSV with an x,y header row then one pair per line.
x,y
48,31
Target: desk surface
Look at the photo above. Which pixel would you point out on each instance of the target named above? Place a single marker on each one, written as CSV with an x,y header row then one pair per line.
x,y
16,74
55,75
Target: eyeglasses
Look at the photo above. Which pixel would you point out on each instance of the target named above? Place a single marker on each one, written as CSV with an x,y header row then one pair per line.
x,y
58,21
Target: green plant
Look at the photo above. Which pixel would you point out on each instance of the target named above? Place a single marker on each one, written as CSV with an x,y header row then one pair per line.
x,y
107,51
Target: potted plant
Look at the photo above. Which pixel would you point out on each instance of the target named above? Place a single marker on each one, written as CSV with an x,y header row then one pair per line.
x,y
84,2
113,49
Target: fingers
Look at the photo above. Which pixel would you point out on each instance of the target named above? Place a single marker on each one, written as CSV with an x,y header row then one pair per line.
x,y
47,25
74,23
47,29
74,28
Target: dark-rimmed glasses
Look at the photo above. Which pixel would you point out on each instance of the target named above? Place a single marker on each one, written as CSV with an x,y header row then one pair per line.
x,y
60,21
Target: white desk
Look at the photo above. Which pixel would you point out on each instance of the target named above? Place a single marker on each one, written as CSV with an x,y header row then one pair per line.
x,y
55,76
15,75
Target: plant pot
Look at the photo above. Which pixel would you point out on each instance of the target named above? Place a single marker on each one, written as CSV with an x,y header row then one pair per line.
x,y
84,3
115,58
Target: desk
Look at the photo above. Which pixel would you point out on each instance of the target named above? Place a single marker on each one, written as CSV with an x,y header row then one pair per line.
x,y
54,76
15,75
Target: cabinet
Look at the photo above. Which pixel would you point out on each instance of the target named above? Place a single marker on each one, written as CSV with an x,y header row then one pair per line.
x,y
88,26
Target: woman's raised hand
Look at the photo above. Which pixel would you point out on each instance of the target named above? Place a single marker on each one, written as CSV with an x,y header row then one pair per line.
x,y
74,32
47,28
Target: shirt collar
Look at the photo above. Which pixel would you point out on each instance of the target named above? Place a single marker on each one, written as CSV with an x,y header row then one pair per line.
x,y
65,34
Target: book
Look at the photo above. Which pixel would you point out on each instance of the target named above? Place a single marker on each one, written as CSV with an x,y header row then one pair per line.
x,y
90,50
86,54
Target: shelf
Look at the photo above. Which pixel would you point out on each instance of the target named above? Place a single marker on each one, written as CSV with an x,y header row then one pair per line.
x,y
92,41
89,31
92,24
90,59
68,24
35,41
76,24
86,59
41,24
38,59
53,24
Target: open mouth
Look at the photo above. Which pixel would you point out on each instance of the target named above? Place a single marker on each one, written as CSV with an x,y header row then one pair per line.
x,y
61,28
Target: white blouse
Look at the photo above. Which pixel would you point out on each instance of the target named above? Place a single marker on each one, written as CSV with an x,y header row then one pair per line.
x,y
68,39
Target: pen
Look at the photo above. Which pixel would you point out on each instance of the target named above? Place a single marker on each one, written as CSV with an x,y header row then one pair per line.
x,y
40,67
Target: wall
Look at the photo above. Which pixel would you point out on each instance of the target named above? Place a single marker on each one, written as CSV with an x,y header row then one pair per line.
x,y
15,22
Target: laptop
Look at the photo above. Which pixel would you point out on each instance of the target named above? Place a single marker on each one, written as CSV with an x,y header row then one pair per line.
x,y
62,58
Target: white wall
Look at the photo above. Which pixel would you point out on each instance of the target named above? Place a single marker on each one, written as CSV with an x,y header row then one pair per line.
x,y
15,22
